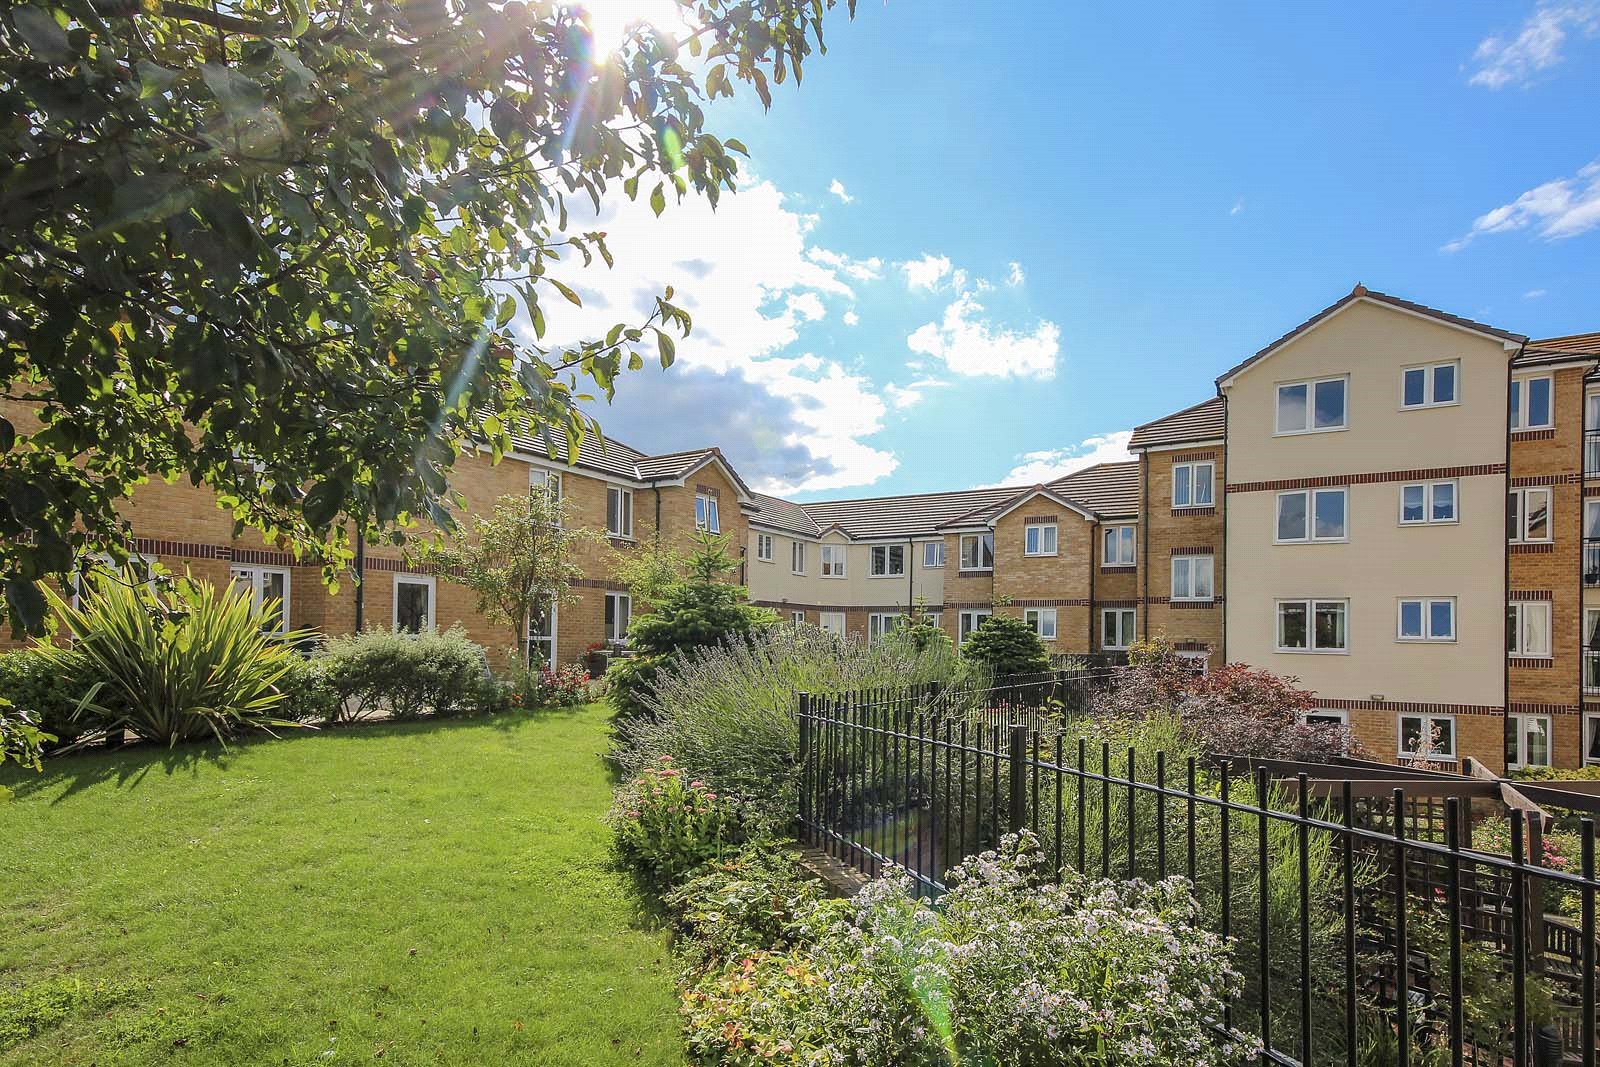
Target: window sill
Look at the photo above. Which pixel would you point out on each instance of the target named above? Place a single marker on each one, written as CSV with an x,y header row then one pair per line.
x,y
1316,541
1192,507
1310,432
1039,555
830,577
760,560
1429,407
629,538
1313,651
900,575
977,570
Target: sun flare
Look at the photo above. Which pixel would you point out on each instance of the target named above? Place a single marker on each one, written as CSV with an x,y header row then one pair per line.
x,y
611,21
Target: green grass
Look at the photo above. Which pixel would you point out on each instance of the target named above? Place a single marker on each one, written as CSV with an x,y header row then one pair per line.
x,y
430,893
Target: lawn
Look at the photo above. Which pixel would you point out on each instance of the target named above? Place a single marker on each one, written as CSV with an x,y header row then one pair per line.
x,y
433,893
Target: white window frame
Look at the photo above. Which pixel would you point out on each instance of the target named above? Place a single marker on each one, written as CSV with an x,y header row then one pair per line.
x,y
1520,511
975,617
982,540
1425,606
402,578
618,605
831,559
236,574
1517,402
546,479
1310,385
881,623
1430,386
1429,491
1424,720
1193,571
827,620
1591,726
1043,621
877,552
1126,628
932,555
797,557
1327,715
1520,609
1310,496
1191,479
1112,544
1516,756
1311,604
1201,661
764,547
798,618
1040,539
624,498
707,515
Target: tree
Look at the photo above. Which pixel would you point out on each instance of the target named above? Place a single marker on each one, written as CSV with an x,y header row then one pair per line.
x,y
276,247
521,560
1006,645
702,610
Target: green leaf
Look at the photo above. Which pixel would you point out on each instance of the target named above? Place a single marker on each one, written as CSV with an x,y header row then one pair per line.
x,y
564,291
667,349
239,96
323,502
46,39
26,605
154,79
508,310
658,200
733,144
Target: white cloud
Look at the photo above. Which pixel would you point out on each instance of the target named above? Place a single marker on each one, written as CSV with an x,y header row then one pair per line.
x,y
1038,468
1518,60
927,272
751,280
1238,207
1014,274
904,397
862,270
1565,207
1534,294
837,189
971,345
852,319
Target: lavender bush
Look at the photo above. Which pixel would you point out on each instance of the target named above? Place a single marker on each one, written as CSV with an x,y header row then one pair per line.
x,y
726,715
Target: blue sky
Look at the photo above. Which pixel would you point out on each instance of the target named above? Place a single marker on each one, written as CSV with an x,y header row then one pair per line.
x,y
1064,220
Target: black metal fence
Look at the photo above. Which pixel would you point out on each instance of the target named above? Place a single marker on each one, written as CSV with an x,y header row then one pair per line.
x,y
1368,928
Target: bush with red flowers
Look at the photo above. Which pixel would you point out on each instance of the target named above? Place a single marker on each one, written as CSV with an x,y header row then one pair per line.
x,y
667,827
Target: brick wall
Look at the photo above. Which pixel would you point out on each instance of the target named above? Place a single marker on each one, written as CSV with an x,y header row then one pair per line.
x,y
1190,627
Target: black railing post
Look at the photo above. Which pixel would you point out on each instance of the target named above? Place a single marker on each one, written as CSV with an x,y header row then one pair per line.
x,y
804,709
1019,778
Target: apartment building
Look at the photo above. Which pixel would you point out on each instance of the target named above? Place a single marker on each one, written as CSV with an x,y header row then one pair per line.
x,y
1411,499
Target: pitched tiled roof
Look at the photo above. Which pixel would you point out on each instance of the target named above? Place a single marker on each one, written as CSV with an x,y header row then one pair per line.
x,y
1109,489
1200,422
783,515
608,457
1361,292
902,516
672,464
1559,350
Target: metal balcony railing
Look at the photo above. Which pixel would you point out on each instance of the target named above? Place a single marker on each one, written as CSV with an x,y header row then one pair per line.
x,y
1591,670
1591,453
1591,561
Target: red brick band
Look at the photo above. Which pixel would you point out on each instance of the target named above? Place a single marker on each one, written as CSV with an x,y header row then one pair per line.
x,y
1533,663
1332,480
1118,568
1194,550
1533,548
1192,457
1179,513
1529,595
1408,707
1542,709
1534,480
1533,435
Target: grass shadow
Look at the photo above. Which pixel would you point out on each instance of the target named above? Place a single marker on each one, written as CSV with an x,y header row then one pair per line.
x,y
129,765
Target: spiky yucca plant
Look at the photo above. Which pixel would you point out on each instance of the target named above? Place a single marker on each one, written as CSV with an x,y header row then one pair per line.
x,y
174,666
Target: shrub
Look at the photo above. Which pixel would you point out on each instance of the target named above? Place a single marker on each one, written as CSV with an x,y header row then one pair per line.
x,y
699,612
178,666
408,675
750,902
726,715
525,688
1557,774
667,826
1007,970
308,697
1007,645
1234,710
34,684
